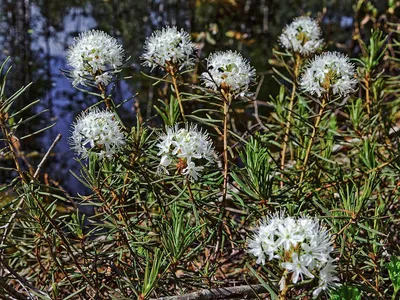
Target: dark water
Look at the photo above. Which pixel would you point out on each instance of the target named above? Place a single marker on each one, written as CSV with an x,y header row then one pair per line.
x,y
36,35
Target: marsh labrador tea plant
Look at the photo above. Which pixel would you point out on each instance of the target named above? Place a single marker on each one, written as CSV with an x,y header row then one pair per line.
x,y
214,197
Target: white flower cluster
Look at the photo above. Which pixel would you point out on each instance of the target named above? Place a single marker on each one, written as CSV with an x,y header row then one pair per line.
x,y
95,56
97,132
302,247
185,146
229,71
302,36
168,48
330,72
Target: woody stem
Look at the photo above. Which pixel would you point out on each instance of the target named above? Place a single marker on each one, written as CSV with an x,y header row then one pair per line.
x,y
312,137
283,292
227,98
178,96
102,89
227,101
289,117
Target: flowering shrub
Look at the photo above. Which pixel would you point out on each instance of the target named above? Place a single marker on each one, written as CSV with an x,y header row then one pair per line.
x,y
175,200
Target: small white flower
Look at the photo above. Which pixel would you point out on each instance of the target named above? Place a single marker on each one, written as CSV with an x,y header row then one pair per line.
x,y
327,279
330,72
104,78
263,245
94,54
168,48
302,36
306,225
192,171
186,146
314,254
97,132
288,234
298,267
229,71
256,248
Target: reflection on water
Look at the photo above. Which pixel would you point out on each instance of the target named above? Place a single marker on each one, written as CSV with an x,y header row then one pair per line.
x,y
37,33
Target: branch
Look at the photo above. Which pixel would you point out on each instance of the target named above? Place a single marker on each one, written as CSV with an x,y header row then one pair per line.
x,y
220,293
55,142
21,279
11,291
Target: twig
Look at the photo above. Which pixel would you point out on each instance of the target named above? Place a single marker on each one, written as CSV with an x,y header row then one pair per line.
x,y
256,115
11,291
190,191
242,291
227,103
312,137
55,142
283,292
368,99
67,195
102,89
289,117
227,97
178,96
22,280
